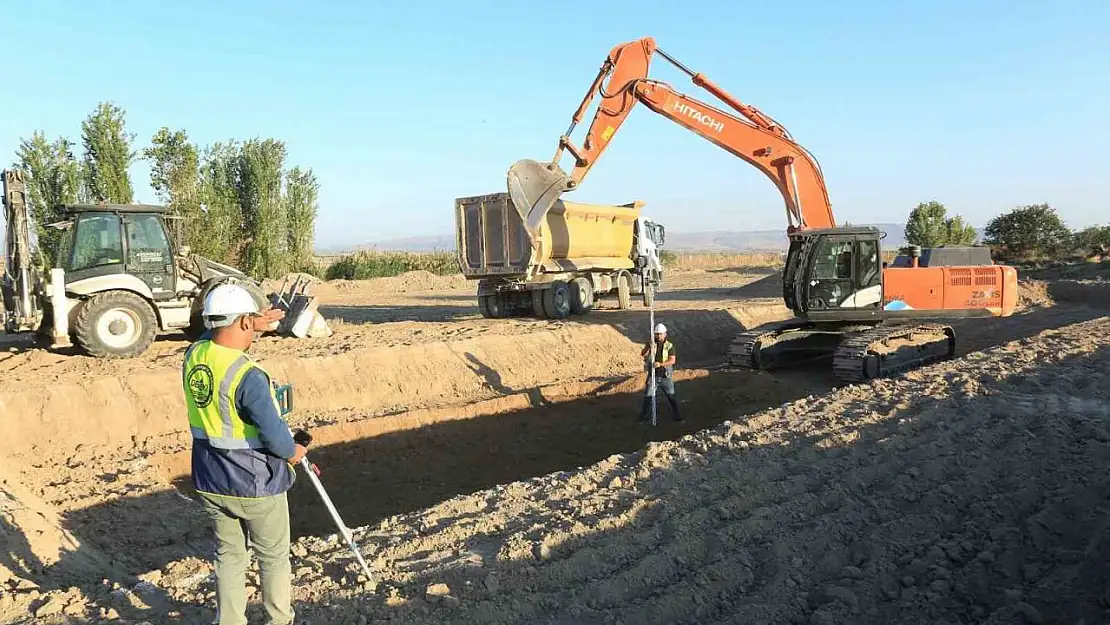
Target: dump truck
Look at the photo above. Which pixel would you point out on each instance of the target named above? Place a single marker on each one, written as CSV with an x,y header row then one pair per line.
x,y
561,262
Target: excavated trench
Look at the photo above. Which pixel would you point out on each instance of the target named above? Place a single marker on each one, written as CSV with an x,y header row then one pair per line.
x,y
377,468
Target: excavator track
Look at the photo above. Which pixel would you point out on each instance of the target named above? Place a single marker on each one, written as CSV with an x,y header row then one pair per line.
x,y
786,345
888,350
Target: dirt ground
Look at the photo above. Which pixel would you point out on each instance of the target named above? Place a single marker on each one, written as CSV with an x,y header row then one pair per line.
x,y
968,492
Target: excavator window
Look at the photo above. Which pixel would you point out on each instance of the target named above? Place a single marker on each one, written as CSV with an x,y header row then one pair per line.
x,y
869,265
97,241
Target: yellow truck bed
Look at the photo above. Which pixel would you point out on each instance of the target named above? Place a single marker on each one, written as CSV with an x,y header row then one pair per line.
x,y
492,241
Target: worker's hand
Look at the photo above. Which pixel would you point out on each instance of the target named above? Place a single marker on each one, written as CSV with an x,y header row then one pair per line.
x,y
268,318
302,437
298,453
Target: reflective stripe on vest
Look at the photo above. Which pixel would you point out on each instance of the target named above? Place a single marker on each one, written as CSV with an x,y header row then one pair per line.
x,y
664,353
211,376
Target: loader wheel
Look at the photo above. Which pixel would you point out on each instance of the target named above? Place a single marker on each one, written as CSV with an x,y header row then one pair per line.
x,y
581,296
624,292
115,324
556,300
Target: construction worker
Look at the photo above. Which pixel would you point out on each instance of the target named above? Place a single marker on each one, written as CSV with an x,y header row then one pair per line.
x,y
243,454
663,362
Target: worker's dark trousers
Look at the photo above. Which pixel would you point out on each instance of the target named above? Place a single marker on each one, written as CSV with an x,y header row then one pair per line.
x,y
665,384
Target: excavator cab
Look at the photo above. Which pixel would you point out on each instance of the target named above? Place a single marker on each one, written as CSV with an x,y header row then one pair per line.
x,y
834,272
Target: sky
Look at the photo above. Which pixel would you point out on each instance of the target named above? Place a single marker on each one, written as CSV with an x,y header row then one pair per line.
x,y
401,107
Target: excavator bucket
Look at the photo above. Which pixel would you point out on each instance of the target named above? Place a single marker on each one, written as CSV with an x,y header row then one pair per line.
x,y
302,317
534,188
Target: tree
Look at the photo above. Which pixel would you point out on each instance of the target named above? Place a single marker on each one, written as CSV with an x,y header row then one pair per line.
x,y
175,176
1094,240
258,185
218,212
1028,232
929,226
301,190
53,178
108,155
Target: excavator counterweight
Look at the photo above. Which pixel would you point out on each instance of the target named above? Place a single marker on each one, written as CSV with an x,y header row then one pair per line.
x,y
871,320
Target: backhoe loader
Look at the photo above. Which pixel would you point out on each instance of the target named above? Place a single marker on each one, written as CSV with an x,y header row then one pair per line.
x,y
119,279
871,319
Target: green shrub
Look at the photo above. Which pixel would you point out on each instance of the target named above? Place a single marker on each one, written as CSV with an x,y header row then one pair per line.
x,y
373,264
667,257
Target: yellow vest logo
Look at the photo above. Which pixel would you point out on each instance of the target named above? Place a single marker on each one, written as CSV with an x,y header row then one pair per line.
x,y
201,383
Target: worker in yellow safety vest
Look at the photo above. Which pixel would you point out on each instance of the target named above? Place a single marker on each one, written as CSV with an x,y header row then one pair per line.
x,y
243,454
663,360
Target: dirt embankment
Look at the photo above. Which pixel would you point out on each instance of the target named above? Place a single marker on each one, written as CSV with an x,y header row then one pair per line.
x,y
970,491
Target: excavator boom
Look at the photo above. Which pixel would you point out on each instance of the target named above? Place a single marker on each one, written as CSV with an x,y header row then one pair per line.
x,y
748,134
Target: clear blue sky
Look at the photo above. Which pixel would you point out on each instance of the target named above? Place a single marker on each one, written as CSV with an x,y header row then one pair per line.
x,y
400,107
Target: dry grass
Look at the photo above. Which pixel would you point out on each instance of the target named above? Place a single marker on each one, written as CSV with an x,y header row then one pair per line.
x,y
721,260
373,264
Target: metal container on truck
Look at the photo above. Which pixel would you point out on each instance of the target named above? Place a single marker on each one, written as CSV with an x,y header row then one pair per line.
x,y
577,253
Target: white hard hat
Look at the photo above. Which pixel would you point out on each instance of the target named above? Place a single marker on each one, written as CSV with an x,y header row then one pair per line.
x,y
225,304
660,329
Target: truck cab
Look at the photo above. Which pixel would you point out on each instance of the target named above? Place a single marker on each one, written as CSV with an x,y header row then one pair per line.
x,y
650,237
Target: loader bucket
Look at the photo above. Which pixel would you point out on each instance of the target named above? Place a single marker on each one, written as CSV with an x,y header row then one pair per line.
x,y
302,317
534,188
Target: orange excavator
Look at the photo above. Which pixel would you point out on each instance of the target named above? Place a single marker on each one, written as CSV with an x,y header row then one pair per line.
x,y
872,318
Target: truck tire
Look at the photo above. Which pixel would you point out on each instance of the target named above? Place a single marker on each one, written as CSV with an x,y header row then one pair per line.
x,y
497,305
483,306
537,304
556,300
115,324
581,296
649,295
624,292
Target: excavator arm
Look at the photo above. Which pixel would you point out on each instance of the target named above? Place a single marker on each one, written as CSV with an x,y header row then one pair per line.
x,y
751,135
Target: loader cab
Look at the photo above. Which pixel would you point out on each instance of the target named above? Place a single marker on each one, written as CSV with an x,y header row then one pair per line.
x,y
104,240
834,269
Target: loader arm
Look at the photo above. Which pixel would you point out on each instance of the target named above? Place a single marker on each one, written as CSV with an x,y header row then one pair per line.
x,y
751,135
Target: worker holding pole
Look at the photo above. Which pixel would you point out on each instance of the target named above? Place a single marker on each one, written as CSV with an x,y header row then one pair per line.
x,y
243,454
662,361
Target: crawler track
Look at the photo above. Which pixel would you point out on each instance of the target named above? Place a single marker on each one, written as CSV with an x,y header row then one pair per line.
x,y
888,350
857,352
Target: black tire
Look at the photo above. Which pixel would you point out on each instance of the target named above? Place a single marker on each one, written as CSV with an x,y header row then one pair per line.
x,y
496,304
483,306
624,292
537,305
648,294
556,300
129,310
581,296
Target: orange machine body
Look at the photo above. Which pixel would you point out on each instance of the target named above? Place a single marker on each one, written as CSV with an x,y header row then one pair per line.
x,y
990,288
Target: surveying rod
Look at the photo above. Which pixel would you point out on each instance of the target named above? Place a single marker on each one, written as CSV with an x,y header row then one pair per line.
x,y
651,340
285,402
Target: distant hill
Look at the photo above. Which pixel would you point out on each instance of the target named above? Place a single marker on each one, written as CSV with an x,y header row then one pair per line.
x,y
709,241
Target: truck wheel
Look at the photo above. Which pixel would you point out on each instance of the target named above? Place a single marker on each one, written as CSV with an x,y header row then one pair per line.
x,y
115,324
556,300
624,292
483,306
581,296
649,295
537,305
495,303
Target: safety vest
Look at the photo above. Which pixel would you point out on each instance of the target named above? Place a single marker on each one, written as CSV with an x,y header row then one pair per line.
x,y
662,354
211,376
